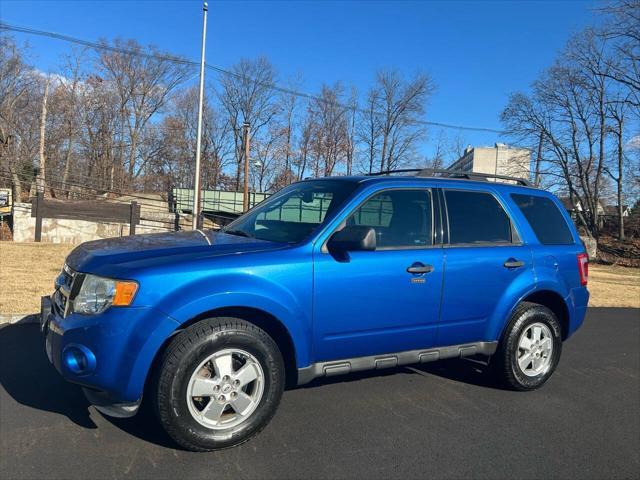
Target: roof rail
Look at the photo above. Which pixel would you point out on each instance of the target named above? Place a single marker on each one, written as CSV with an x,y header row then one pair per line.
x,y
443,172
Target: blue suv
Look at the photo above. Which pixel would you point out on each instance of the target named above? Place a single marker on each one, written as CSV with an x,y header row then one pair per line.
x,y
325,277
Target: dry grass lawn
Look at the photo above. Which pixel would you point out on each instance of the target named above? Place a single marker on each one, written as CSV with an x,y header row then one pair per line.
x,y
27,271
614,286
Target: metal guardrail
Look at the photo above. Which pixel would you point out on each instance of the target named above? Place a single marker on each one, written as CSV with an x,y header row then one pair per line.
x,y
213,201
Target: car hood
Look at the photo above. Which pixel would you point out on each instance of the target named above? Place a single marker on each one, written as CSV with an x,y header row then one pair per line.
x,y
90,256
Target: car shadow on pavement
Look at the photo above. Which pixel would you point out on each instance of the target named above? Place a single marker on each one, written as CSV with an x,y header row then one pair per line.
x,y
28,377
145,426
464,370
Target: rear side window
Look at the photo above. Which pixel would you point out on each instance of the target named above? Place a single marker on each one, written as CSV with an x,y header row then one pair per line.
x,y
544,217
476,217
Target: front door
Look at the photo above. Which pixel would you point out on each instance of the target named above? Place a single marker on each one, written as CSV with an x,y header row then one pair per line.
x,y
387,300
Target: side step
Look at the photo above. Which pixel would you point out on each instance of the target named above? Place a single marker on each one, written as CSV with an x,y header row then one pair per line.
x,y
390,360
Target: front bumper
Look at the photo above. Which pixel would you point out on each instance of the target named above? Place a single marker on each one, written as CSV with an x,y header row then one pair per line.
x,y
109,355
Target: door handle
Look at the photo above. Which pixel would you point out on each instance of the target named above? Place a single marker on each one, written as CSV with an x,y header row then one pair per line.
x,y
513,263
419,268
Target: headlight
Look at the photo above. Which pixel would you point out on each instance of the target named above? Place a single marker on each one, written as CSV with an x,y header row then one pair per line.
x,y
97,294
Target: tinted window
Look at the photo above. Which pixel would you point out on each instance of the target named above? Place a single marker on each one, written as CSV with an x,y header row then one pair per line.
x,y
544,217
476,217
294,213
401,218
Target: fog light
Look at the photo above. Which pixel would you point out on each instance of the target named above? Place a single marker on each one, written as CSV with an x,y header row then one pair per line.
x,y
78,359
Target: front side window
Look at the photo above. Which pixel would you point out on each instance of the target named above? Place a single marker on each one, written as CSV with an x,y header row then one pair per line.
x,y
294,213
545,219
476,218
400,218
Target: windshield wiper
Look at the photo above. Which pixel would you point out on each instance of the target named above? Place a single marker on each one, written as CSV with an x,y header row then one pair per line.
x,y
240,233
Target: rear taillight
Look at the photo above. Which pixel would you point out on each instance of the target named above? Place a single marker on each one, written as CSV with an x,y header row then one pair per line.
x,y
583,268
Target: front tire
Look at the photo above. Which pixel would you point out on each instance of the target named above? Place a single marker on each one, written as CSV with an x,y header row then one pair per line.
x,y
219,384
530,348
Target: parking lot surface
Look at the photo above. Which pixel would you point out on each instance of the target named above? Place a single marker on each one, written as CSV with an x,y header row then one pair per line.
x,y
439,420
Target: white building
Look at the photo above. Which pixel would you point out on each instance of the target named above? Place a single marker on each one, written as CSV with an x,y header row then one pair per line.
x,y
500,159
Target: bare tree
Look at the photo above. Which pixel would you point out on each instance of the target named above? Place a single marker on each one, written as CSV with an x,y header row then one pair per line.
x,y
566,116
143,84
17,83
617,113
369,131
41,182
621,30
350,147
268,170
329,138
247,96
289,102
400,104
304,146
71,107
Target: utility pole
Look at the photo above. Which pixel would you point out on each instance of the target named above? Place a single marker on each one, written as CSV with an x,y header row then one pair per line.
x,y
245,197
196,186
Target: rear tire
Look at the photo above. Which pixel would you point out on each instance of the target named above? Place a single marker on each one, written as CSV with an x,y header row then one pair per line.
x,y
530,348
219,384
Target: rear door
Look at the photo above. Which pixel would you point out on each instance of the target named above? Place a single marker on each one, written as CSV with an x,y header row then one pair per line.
x,y
371,302
484,259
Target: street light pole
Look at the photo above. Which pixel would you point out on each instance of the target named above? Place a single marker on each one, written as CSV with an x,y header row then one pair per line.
x,y
196,186
245,197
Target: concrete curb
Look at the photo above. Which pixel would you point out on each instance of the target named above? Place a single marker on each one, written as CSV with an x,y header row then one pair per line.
x,y
19,318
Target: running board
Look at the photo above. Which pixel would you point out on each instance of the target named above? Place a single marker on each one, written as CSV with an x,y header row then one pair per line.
x,y
389,360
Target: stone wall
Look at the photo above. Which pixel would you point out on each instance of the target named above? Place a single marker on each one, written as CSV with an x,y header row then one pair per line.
x,y
56,230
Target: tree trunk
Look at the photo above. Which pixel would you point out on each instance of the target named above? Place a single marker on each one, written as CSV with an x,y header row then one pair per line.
x,y
303,166
536,178
40,183
132,155
67,167
621,235
17,185
384,151
120,152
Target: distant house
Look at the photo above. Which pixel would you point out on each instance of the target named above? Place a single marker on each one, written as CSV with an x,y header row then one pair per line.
x,y
603,210
501,159
612,211
576,207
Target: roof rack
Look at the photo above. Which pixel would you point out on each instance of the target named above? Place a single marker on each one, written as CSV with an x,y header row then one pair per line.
x,y
443,172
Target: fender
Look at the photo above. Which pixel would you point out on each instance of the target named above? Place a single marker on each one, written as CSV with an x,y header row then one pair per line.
x,y
507,306
247,291
518,289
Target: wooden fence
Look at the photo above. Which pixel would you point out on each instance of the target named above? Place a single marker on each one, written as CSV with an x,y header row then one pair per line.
x,y
89,210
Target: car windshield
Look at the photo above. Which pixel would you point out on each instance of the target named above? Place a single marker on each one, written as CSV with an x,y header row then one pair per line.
x,y
294,213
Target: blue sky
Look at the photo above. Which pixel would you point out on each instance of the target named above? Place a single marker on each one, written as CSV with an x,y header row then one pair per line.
x,y
476,51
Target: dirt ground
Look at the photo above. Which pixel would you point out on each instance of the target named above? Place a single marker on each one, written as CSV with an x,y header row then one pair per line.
x,y
27,271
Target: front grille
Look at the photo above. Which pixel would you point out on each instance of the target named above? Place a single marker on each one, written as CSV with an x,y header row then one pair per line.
x,y
64,285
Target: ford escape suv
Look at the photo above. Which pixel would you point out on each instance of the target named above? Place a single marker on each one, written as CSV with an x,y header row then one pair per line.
x,y
325,277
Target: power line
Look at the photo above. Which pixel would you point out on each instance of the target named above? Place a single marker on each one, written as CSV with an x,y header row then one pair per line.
x,y
180,60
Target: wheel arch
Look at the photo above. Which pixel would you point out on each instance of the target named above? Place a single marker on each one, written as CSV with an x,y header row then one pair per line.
x,y
262,319
554,302
547,298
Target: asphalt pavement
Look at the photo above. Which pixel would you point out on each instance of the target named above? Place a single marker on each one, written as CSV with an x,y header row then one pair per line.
x,y
439,420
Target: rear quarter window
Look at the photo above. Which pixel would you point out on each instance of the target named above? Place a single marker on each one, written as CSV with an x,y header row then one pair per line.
x,y
545,219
